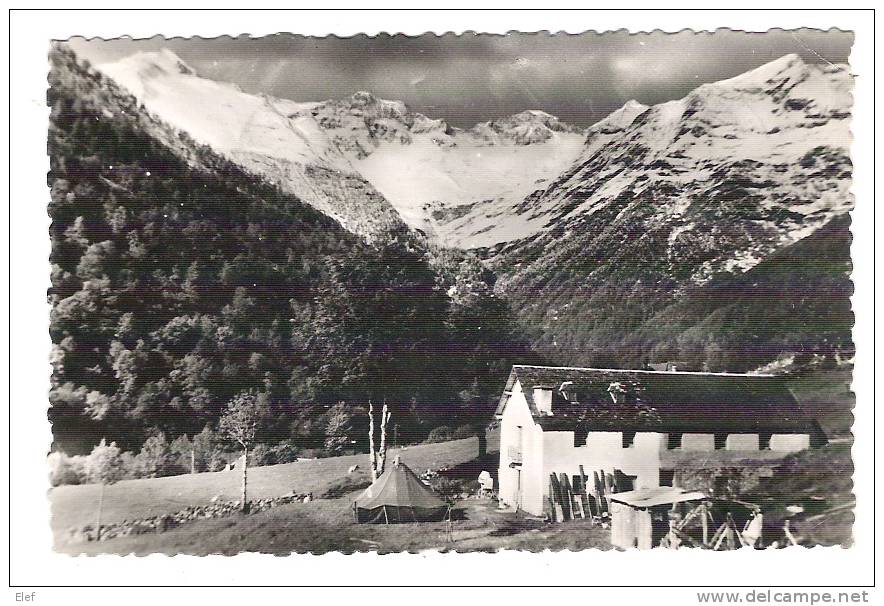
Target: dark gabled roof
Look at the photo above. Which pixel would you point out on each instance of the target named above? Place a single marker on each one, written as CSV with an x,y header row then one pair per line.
x,y
689,402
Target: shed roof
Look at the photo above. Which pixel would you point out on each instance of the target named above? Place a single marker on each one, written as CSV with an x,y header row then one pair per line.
x,y
700,402
661,495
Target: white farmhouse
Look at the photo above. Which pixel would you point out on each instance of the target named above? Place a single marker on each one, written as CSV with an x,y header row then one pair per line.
x,y
555,419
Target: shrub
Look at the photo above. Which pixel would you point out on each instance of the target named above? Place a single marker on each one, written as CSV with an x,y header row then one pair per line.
x,y
347,484
439,434
66,470
261,455
208,450
182,448
445,487
464,431
129,468
104,464
315,453
157,459
829,363
285,452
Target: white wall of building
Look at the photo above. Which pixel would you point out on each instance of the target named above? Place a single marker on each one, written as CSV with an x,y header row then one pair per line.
x,y
518,434
698,441
742,441
542,453
603,452
789,442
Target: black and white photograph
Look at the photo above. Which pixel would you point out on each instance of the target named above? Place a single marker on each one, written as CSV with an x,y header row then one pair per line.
x,y
450,293
345,295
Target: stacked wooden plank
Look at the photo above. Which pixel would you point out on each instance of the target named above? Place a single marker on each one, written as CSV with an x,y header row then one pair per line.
x,y
580,496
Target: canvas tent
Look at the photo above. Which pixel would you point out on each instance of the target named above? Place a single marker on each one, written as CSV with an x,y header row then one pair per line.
x,y
398,496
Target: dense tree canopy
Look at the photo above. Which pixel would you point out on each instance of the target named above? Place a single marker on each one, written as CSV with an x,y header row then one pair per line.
x,y
179,283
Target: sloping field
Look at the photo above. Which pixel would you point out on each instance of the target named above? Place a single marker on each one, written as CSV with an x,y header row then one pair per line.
x,y
133,499
327,525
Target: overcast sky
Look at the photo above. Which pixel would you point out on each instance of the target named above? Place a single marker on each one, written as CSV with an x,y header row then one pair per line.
x,y
468,79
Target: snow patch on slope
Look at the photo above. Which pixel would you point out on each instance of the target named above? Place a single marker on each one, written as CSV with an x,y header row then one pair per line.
x,y
417,165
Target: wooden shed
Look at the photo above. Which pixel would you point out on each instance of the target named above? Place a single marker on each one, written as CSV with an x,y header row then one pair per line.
x,y
639,517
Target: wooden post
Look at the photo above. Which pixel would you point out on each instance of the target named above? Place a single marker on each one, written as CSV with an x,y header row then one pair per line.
x,y
788,532
705,514
245,465
192,460
386,519
567,501
555,491
585,496
100,503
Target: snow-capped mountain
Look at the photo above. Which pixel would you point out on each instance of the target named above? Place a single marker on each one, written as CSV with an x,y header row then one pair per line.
x,y
643,234
369,162
755,162
662,200
275,138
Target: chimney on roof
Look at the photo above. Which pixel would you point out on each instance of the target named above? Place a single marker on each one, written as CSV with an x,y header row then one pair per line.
x,y
617,391
543,399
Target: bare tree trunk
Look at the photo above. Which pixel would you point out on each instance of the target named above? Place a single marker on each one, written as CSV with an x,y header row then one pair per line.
x,y
192,460
483,441
382,453
245,466
373,457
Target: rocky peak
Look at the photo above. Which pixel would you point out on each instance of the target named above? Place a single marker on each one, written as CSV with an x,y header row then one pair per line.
x,y
151,64
619,119
523,128
790,65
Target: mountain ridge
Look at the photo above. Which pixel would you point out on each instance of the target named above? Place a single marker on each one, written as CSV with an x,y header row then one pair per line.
x,y
636,210
687,191
356,139
179,280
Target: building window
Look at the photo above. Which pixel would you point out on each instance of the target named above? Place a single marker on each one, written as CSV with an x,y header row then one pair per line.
x,y
580,437
673,441
628,439
667,477
720,441
764,441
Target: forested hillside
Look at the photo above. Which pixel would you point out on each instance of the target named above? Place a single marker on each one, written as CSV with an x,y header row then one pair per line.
x,y
179,280
797,301
709,229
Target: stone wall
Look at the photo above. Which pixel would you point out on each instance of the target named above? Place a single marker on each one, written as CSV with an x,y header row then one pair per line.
x,y
162,523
